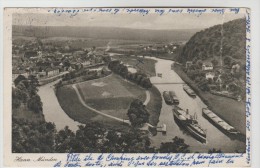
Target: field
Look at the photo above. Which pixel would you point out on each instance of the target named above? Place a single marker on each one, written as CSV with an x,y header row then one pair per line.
x,y
147,65
70,103
154,106
111,95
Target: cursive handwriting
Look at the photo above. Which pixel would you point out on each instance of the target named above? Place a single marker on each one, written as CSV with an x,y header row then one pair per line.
x,y
146,11
156,159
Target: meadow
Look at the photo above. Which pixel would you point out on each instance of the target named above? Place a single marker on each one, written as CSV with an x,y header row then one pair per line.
x,y
111,95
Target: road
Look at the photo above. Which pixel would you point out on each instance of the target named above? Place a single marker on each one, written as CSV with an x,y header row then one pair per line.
x,y
96,111
148,97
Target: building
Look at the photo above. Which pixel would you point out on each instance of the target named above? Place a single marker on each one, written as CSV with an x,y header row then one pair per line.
x,y
235,69
86,63
52,71
206,66
210,75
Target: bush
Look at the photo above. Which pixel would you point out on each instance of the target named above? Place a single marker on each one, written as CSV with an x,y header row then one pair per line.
x,y
137,113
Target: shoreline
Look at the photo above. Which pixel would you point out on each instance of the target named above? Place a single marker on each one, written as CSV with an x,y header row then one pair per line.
x,y
234,115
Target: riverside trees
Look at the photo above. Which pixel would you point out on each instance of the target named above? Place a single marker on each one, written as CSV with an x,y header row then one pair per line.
x,y
139,78
25,92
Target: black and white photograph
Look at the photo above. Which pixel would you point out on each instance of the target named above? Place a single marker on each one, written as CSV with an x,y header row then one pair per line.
x,y
129,80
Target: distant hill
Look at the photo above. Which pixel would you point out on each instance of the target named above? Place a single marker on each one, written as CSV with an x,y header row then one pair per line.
x,y
206,44
104,33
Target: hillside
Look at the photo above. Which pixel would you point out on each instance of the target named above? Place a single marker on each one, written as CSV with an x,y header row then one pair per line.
x,y
104,33
206,44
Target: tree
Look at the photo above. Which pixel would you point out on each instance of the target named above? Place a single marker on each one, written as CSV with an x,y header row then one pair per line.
x,y
18,94
35,104
32,137
214,62
107,59
19,79
146,83
33,80
15,103
123,70
137,113
199,63
33,84
63,140
176,146
227,60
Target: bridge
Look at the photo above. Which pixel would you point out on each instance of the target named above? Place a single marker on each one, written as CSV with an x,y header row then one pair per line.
x,y
167,83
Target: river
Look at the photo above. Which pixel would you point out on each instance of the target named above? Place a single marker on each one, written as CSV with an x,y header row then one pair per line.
x,y
52,110
215,138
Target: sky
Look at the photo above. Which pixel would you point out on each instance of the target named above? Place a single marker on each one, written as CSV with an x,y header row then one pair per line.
x,y
135,21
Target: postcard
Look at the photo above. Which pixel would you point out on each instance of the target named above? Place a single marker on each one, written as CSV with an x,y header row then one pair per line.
x,y
127,87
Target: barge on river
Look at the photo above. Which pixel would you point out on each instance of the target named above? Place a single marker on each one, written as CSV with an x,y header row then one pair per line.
x,y
174,97
189,123
189,91
170,98
218,122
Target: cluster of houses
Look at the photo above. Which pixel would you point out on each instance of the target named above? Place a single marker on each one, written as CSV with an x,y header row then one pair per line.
x,y
215,74
165,48
33,59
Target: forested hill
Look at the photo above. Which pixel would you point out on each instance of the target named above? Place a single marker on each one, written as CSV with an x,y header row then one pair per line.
x,y
206,44
104,33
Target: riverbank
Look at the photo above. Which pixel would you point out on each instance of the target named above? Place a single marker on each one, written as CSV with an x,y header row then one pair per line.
x,y
228,109
154,106
144,65
51,79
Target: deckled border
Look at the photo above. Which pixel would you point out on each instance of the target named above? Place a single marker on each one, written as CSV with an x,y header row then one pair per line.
x,y
201,159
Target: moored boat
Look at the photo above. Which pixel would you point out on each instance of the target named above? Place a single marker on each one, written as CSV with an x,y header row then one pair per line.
x,y
188,90
190,123
218,122
167,98
174,97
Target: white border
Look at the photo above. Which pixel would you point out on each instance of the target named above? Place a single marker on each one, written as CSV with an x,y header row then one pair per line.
x,y
253,4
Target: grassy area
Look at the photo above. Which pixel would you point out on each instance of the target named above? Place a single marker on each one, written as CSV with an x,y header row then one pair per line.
x,y
112,95
110,87
70,103
148,65
228,109
154,106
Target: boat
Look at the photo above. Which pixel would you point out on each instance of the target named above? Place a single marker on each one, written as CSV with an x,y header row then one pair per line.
x,y
174,97
188,90
189,123
218,122
159,75
167,98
